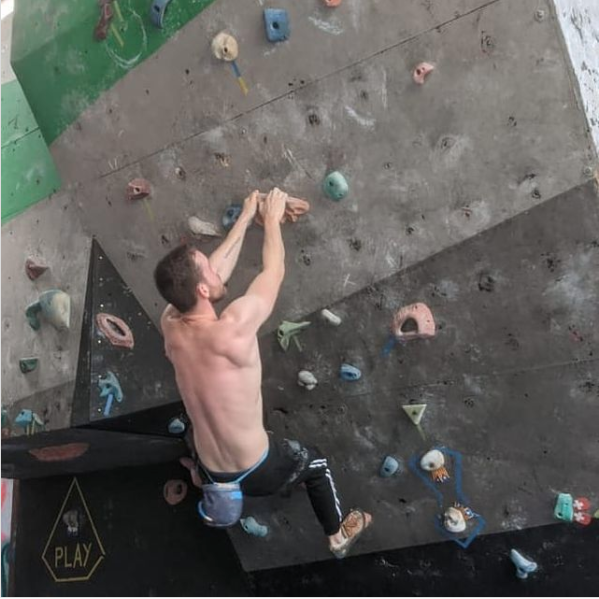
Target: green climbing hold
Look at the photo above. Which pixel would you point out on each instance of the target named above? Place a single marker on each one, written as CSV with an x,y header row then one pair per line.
x,y
28,364
32,313
335,186
289,330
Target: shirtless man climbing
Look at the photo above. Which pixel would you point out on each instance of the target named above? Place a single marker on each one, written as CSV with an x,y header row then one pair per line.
x,y
219,372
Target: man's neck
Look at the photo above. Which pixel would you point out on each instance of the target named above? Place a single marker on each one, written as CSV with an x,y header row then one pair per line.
x,y
203,310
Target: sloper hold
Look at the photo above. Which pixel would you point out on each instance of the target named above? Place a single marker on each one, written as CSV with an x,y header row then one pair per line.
x,y
415,412
276,22
389,467
115,329
252,527
138,189
335,186
421,315
55,305
34,270
28,364
421,72
225,47
203,228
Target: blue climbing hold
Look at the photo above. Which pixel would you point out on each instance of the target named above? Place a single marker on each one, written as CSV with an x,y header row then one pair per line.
x,y
349,373
231,215
24,418
276,21
389,467
251,526
524,566
335,186
111,389
176,426
157,12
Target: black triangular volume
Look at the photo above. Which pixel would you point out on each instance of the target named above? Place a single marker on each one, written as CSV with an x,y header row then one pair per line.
x,y
144,374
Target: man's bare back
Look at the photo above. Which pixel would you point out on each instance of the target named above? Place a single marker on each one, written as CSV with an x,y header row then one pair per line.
x,y
219,378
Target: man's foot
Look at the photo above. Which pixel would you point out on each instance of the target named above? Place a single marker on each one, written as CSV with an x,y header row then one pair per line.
x,y
191,466
352,527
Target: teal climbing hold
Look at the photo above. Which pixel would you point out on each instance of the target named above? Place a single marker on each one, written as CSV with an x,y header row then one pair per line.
x,y
335,186
349,373
32,313
55,305
564,507
251,526
28,421
28,364
389,467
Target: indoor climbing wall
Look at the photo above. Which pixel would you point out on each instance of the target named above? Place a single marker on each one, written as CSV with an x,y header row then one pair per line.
x,y
459,196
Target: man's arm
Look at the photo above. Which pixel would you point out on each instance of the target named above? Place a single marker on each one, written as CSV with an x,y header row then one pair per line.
x,y
252,310
224,259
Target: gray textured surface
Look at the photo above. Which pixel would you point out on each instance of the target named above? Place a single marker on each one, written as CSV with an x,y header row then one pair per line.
x,y
511,381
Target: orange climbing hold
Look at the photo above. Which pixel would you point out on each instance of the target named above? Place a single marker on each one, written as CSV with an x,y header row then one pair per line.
x,y
419,314
293,210
421,72
138,189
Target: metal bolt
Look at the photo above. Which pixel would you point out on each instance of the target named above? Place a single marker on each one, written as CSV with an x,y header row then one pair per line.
x,y
540,15
587,171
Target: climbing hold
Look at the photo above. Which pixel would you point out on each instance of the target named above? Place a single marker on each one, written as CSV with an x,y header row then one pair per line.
x,y
335,186
421,72
29,421
251,526
389,467
106,14
349,373
55,305
138,189
290,330
332,3
174,491
180,172
231,215
580,505
539,15
306,379
595,515
455,517
331,318
418,314
201,227
224,47
34,270
176,426
415,412
59,453
276,21
28,364
434,462
524,566
111,389
564,508
157,12
294,208
116,330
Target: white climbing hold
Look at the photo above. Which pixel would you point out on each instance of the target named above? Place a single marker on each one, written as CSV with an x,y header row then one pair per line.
x,y
330,317
306,379
415,412
201,227
224,47
432,460
453,520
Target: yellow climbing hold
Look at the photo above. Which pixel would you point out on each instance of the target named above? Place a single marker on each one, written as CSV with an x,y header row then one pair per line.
x,y
415,412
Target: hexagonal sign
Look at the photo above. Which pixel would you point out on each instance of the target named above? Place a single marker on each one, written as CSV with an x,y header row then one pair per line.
x,y
74,550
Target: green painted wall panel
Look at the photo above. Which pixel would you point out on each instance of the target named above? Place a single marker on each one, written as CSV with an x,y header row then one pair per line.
x,y
60,66
28,171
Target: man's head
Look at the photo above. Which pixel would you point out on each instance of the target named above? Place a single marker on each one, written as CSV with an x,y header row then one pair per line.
x,y
185,276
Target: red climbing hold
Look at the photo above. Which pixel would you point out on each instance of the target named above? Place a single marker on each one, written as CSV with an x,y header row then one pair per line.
x,y
421,315
34,270
106,14
60,453
138,189
421,72
116,330
174,491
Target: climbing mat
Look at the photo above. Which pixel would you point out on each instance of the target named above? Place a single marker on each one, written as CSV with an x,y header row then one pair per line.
x,y
509,381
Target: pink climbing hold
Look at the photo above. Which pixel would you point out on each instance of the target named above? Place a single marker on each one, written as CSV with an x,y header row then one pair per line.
x,y
332,3
34,270
174,491
421,315
115,329
421,72
138,189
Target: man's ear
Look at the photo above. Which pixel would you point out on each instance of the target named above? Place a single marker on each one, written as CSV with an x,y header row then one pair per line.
x,y
203,290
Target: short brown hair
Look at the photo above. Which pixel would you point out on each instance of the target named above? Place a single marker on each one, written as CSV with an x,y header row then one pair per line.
x,y
177,276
